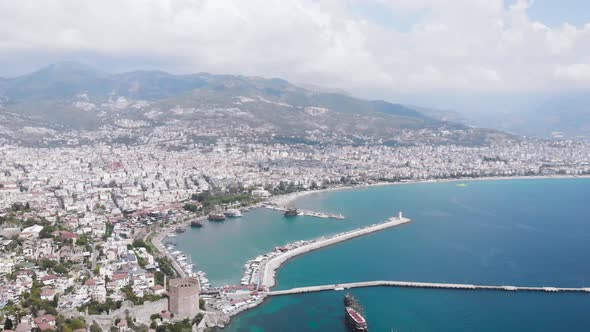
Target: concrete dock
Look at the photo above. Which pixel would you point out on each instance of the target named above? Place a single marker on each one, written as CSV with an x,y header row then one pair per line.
x,y
412,284
267,277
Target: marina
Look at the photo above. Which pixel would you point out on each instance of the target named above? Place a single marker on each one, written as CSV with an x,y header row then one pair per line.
x,y
253,285
260,271
268,267
184,266
453,226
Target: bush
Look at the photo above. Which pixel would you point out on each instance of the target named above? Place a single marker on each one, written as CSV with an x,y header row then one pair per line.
x,y
201,304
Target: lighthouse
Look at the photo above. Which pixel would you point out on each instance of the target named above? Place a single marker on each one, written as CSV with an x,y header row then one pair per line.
x,y
400,216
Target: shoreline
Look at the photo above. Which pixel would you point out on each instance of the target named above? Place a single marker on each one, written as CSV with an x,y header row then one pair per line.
x,y
157,239
269,277
289,199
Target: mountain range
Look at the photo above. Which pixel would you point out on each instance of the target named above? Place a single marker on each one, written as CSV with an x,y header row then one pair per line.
x,y
70,97
560,114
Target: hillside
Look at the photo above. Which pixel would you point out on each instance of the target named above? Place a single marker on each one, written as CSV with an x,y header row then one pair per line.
x,y
558,115
71,97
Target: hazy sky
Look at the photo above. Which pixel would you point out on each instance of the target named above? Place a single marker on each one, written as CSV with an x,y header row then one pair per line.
x,y
377,48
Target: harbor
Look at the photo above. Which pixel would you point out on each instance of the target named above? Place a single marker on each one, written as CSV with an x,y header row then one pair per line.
x,y
259,275
259,272
255,286
267,268
182,263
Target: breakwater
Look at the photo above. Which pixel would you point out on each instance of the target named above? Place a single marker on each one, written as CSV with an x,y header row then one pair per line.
x,y
268,268
413,284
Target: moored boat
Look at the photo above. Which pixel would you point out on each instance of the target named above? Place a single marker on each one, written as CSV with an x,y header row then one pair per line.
x,y
196,223
354,314
291,212
355,320
233,213
216,217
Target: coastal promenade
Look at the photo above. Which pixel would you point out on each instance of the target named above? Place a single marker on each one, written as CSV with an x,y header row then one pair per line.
x,y
411,284
157,242
268,270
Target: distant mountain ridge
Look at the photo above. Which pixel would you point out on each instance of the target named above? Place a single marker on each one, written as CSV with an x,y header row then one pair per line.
x,y
71,96
560,115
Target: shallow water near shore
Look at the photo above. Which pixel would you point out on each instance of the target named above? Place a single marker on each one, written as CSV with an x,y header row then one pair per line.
x,y
512,232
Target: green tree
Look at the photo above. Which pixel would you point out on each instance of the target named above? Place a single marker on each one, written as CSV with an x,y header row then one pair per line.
x,y
95,327
8,324
202,304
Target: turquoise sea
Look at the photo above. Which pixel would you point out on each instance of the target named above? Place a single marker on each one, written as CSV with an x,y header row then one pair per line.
x,y
509,232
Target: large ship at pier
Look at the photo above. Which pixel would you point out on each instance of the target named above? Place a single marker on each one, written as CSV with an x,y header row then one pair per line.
x,y
354,314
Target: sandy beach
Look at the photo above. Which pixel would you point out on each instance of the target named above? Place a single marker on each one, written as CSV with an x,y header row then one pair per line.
x,y
289,199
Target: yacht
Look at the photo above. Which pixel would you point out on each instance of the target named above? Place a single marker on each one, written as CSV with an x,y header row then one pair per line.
x,y
233,213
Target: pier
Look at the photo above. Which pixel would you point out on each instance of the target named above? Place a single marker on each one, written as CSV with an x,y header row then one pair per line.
x,y
310,213
412,284
268,269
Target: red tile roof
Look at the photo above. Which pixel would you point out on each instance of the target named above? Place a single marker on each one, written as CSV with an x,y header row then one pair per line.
x,y
119,276
45,326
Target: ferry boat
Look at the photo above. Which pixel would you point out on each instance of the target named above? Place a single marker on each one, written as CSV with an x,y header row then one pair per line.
x,y
291,212
233,213
354,315
216,217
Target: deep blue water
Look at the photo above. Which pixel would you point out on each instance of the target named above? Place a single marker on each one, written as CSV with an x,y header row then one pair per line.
x,y
420,310
514,232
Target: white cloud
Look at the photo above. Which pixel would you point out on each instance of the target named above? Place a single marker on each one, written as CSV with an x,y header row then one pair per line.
x,y
461,45
574,72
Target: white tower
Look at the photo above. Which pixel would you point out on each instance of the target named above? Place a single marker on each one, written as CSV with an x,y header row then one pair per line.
x,y
400,216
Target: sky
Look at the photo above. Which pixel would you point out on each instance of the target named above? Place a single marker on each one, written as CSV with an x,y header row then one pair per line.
x,y
439,53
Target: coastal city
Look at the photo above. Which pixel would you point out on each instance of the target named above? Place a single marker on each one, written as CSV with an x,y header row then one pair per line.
x,y
294,165
86,230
